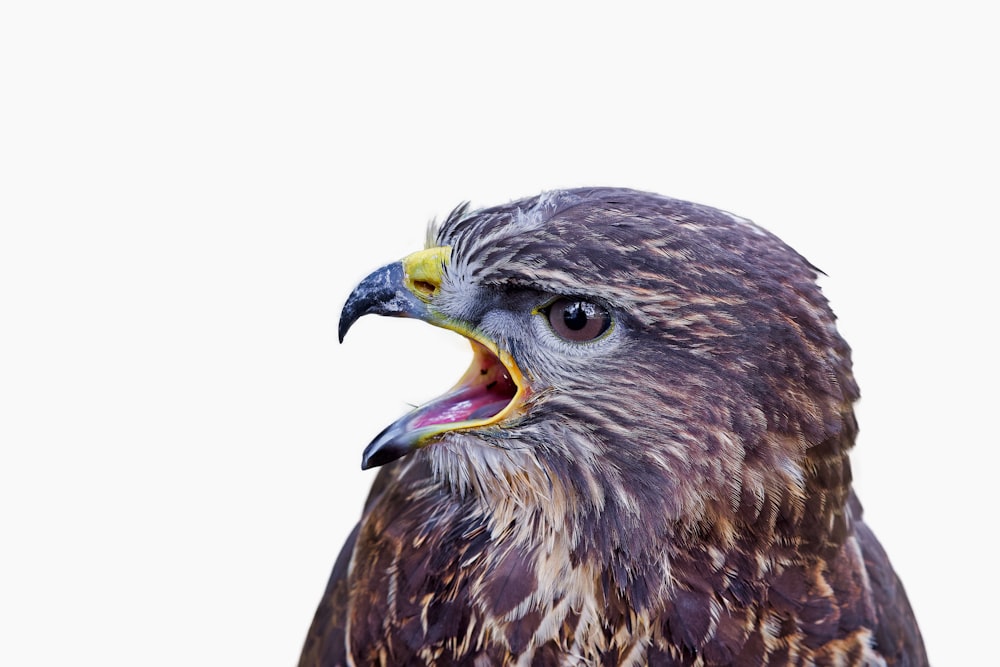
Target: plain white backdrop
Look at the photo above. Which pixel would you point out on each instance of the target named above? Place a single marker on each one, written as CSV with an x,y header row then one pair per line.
x,y
189,191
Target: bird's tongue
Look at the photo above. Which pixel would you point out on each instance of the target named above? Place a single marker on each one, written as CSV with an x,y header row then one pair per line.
x,y
484,390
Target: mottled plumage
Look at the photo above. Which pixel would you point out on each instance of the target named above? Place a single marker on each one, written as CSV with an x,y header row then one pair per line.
x,y
675,491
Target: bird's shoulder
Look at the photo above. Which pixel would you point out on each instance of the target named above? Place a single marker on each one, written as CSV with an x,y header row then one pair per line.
x,y
325,642
747,606
413,579
896,633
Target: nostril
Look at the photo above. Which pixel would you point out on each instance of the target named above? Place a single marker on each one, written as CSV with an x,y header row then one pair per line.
x,y
424,287
424,271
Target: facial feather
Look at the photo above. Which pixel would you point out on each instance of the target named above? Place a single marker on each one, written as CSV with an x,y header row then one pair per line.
x,y
721,371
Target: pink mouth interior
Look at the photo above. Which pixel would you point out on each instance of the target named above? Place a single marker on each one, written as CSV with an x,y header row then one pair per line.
x,y
483,392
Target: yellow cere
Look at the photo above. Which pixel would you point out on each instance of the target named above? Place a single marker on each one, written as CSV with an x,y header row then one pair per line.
x,y
424,270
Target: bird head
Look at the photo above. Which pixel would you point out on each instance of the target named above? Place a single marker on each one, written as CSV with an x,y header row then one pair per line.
x,y
638,362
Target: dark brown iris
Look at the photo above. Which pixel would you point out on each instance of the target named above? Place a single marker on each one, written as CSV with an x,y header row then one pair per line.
x,y
577,320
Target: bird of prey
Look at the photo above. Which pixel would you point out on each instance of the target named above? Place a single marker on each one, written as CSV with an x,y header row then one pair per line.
x,y
645,464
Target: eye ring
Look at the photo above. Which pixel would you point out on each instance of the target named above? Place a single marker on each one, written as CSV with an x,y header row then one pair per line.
x,y
577,320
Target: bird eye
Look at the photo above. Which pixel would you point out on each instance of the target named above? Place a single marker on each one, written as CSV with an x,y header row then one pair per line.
x,y
576,320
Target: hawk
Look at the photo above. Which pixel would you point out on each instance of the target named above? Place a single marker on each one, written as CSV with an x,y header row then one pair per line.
x,y
646,462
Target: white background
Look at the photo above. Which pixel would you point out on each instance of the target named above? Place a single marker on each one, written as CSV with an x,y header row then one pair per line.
x,y
189,191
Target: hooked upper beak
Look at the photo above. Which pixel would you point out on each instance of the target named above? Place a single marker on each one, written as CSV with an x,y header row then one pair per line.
x,y
400,289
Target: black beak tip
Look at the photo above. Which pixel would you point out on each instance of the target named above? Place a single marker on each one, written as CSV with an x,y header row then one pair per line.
x,y
389,445
342,330
380,456
358,304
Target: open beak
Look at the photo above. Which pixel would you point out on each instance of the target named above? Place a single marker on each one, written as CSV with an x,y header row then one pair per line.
x,y
486,395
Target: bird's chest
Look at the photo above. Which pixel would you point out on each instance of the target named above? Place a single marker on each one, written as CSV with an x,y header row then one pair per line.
x,y
454,589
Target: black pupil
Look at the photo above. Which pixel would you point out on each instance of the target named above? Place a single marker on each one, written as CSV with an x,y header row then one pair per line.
x,y
575,316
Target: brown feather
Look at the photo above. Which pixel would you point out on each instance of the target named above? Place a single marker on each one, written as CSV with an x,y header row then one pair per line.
x,y
676,493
